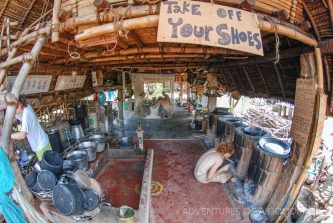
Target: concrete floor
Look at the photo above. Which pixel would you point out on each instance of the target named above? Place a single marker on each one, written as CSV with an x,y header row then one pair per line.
x,y
177,148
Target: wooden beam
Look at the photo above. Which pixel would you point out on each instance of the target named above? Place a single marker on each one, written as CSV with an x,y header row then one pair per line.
x,y
312,21
285,54
239,80
262,78
277,72
330,9
132,34
249,79
27,13
4,8
232,79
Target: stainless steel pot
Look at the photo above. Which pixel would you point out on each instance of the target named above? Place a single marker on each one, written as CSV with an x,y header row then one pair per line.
x,y
90,148
76,129
99,140
80,157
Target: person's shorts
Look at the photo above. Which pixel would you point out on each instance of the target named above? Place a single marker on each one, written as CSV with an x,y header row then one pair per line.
x,y
40,152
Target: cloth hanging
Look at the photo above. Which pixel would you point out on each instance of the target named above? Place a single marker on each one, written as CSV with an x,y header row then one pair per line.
x,y
9,209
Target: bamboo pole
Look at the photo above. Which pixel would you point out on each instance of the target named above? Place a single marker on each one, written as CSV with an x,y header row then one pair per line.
x,y
286,31
55,21
129,24
152,21
309,155
91,19
184,50
18,59
25,195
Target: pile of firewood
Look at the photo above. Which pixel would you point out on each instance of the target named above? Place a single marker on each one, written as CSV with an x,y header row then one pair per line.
x,y
279,127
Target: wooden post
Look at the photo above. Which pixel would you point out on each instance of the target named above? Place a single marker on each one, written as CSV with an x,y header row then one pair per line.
x,y
20,185
55,21
123,95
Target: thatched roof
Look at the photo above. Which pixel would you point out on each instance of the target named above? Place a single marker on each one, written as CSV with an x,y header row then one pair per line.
x,y
139,51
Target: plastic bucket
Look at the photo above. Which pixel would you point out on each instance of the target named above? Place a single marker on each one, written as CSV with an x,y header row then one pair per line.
x,y
125,105
129,215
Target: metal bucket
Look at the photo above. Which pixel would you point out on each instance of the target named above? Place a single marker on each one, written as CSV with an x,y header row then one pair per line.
x,y
128,216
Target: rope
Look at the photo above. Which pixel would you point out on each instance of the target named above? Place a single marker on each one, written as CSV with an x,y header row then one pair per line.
x,y
74,54
277,39
11,212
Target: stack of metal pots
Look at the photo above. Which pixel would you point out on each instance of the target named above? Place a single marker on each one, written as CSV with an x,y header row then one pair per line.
x,y
245,140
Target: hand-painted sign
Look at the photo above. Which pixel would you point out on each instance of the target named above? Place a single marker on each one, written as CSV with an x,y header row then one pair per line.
x,y
65,82
209,24
32,84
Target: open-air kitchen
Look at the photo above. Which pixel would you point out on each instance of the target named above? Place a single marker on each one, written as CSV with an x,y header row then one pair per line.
x,y
135,111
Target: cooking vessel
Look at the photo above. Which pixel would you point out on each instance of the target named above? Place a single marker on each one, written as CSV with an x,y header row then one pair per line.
x,y
31,180
68,199
80,157
76,129
52,161
91,199
55,140
99,140
69,165
90,148
46,180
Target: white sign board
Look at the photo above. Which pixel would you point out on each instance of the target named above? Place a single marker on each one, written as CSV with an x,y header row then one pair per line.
x,y
65,82
32,84
209,24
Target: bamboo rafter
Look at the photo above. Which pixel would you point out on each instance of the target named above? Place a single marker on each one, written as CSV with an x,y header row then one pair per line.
x,y
277,72
249,79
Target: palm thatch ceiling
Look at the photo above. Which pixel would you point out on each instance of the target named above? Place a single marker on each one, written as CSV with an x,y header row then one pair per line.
x,y
139,51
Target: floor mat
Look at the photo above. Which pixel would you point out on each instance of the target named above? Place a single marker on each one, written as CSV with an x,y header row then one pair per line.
x,y
120,181
183,199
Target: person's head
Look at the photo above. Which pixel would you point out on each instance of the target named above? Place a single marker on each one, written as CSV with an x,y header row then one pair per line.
x,y
225,149
21,104
163,93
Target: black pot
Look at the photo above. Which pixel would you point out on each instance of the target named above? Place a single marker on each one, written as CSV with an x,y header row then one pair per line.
x,y
68,199
74,121
46,180
55,140
91,199
52,161
31,180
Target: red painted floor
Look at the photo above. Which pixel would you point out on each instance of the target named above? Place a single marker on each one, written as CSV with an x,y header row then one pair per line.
x,y
183,199
119,179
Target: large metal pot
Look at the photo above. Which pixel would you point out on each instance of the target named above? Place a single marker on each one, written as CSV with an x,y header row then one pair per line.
x,y
76,129
55,140
99,140
90,148
80,158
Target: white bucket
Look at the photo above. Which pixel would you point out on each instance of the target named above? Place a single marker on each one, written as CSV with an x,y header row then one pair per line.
x,y
93,123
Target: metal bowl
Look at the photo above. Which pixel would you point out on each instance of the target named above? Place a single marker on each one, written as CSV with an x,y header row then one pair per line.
x,y
275,147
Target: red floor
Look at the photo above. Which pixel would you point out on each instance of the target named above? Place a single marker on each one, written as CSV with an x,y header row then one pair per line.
x,y
119,179
183,199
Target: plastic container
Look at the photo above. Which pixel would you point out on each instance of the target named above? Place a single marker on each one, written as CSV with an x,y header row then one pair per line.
x,y
128,215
